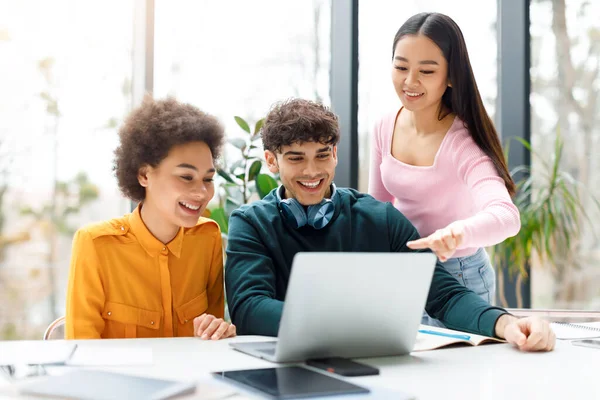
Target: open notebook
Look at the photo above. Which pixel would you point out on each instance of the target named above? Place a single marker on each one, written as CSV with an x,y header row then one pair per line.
x,y
567,331
430,338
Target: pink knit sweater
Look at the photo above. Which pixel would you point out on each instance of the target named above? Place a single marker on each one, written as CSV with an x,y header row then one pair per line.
x,y
461,185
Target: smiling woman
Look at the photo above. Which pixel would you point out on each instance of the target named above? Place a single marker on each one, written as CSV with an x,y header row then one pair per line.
x,y
378,22
156,272
438,157
177,189
422,79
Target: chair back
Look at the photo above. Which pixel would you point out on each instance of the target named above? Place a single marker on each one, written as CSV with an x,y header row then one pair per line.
x,y
56,330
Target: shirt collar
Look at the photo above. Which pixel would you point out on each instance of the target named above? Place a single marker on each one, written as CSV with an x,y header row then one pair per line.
x,y
152,245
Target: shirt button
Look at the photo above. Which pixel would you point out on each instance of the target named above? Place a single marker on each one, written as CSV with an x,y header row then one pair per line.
x,y
108,313
151,322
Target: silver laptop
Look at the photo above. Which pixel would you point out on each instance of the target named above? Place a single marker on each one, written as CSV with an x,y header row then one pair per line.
x,y
349,305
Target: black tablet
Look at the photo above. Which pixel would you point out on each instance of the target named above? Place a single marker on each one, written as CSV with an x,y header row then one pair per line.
x,y
290,382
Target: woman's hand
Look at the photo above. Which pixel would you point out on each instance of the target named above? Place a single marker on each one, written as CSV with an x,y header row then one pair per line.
x,y
442,242
208,326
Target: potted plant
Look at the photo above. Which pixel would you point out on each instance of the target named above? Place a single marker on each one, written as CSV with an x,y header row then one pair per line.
x,y
241,178
553,214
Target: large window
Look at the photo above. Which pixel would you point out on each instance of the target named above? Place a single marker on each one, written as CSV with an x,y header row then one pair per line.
x,y
65,77
565,102
378,23
238,57
66,86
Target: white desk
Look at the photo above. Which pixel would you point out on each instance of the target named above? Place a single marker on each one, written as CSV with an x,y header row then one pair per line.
x,y
495,371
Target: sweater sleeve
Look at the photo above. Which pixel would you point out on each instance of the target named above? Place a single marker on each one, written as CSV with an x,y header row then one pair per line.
x,y
456,306
250,280
496,217
376,187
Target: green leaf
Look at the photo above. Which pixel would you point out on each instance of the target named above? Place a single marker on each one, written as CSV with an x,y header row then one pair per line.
x,y
264,184
225,175
243,124
552,213
112,123
62,187
27,210
238,143
46,96
81,178
70,210
218,215
63,228
87,193
254,169
258,126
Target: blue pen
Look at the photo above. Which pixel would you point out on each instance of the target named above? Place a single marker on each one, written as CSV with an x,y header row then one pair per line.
x,y
450,335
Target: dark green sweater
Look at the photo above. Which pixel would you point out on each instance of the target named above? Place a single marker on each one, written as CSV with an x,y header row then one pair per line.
x,y
261,247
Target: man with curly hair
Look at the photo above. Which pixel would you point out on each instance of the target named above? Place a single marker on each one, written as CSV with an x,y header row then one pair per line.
x,y
308,213
157,272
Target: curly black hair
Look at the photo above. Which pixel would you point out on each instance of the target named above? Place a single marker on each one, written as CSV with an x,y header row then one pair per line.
x,y
299,121
151,130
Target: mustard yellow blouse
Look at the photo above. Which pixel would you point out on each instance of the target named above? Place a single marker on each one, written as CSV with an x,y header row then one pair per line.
x,y
124,283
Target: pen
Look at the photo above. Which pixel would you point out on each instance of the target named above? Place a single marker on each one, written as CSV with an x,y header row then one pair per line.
x,y
451,335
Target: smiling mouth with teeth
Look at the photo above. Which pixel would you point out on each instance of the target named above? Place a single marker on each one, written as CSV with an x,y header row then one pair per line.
x,y
189,206
412,94
310,184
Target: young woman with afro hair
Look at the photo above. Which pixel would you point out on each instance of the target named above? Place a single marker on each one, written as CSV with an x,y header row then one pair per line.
x,y
158,271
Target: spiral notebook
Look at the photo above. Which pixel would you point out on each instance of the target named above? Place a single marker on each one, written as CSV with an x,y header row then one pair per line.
x,y
566,331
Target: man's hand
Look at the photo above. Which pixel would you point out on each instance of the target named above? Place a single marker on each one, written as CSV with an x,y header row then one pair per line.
x,y
528,334
442,242
208,326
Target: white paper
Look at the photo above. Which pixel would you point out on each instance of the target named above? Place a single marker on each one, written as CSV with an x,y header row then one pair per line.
x,y
566,332
35,352
92,356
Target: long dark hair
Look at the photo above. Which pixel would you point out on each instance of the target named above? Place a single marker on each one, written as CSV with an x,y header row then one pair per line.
x,y
463,97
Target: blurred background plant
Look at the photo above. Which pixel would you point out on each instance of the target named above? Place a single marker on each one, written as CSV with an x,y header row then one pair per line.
x,y
53,219
241,177
551,203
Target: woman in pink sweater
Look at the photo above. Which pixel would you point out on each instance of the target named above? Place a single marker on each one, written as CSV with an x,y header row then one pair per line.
x,y
439,159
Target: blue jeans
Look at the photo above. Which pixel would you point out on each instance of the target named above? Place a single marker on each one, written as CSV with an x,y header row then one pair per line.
x,y
476,273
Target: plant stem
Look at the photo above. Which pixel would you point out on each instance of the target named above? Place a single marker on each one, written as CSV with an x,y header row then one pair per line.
x,y
245,195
